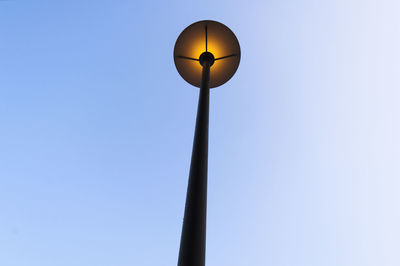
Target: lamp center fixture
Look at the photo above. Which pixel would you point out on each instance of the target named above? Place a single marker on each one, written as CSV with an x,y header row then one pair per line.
x,y
206,57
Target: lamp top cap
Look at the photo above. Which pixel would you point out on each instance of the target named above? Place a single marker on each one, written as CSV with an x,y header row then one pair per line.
x,y
207,40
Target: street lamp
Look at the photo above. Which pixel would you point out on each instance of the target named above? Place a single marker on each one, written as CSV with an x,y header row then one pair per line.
x,y
206,55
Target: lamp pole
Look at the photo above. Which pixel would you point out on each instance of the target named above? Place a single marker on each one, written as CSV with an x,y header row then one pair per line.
x,y
193,240
192,250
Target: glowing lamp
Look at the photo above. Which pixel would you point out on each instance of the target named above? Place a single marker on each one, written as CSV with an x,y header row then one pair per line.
x,y
211,41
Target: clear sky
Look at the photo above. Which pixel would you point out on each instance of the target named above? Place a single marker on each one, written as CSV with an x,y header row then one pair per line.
x,y
96,130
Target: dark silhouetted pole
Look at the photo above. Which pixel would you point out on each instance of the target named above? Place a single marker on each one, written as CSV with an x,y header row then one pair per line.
x,y
193,241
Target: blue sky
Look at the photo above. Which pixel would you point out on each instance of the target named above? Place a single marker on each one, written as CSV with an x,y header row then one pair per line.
x,y
96,129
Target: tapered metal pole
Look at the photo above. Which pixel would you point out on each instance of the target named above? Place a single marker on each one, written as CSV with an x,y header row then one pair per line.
x,y
193,240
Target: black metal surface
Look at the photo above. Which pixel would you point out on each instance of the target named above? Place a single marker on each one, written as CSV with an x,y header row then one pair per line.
x,y
193,240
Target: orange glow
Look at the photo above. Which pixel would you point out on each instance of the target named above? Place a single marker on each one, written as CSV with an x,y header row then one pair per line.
x,y
216,48
199,46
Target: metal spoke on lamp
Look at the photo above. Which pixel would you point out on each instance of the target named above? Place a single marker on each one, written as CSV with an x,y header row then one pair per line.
x,y
223,57
186,57
219,40
206,38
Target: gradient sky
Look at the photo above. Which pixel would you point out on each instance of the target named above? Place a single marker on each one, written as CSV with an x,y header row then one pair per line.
x,y
96,130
